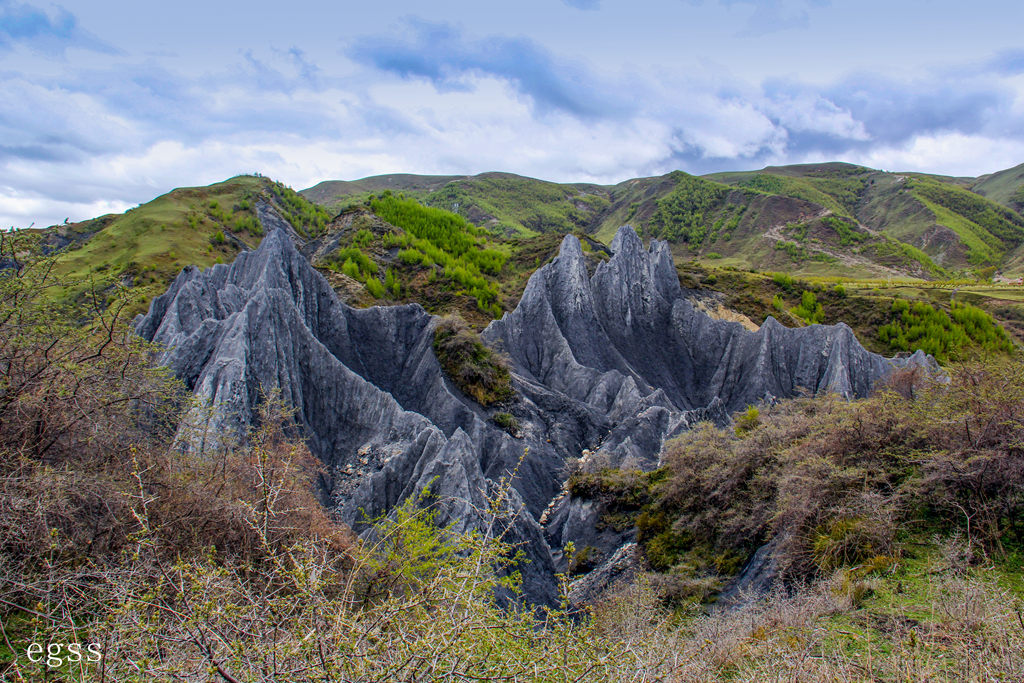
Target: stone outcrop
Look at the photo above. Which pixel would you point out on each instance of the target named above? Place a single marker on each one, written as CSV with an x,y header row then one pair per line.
x,y
615,364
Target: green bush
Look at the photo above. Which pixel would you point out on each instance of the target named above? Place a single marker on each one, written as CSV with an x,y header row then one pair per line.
x,y
965,330
506,421
441,237
809,309
845,229
391,283
748,420
350,268
687,212
785,282
362,238
306,217
475,369
218,237
845,541
374,287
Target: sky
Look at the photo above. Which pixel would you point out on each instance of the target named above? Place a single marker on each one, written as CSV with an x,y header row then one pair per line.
x,y
106,104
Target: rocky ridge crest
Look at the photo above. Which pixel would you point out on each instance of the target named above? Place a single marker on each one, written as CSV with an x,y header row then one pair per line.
x,y
612,364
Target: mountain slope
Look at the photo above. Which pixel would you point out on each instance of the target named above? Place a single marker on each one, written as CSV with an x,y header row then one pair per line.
x,y
144,248
910,225
1005,187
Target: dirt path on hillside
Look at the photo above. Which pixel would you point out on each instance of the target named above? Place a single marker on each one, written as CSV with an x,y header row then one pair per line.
x,y
776,233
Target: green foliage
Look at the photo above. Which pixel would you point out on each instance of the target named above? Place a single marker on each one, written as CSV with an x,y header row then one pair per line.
x,y
413,257
947,336
799,253
474,368
522,205
793,250
218,237
443,238
1017,199
307,218
391,283
687,212
351,268
506,421
839,291
839,194
747,421
353,262
785,281
778,303
845,229
894,252
248,223
809,309
844,541
1004,224
362,238
374,287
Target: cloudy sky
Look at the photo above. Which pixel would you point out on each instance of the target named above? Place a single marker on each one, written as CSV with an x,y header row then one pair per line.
x,y
107,103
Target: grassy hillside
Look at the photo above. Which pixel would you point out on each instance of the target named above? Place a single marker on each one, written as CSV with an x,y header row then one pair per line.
x,y
395,249
337,194
144,248
1005,187
918,225
510,204
504,203
957,229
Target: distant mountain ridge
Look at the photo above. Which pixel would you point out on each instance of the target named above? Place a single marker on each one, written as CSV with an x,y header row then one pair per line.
x,y
834,218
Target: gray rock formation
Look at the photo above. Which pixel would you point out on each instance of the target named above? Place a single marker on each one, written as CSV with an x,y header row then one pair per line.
x,y
615,363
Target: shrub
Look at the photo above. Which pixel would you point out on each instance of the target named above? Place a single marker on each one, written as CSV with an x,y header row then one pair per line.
x,y
844,541
218,237
749,419
475,369
391,283
506,421
362,238
809,308
374,287
954,335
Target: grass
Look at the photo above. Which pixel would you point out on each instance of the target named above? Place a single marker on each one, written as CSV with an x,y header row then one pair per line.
x,y
514,205
146,247
982,248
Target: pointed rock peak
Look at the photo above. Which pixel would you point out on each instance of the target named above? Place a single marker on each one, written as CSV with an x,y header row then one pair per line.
x,y
663,270
276,241
571,247
626,240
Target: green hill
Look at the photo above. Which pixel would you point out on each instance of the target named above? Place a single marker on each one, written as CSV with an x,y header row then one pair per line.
x,y
144,248
1005,187
811,219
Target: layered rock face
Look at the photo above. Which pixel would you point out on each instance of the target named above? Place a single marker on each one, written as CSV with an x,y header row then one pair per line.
x,y
613,364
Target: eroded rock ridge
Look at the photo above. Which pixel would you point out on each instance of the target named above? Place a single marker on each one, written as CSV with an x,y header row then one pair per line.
x,y
611,365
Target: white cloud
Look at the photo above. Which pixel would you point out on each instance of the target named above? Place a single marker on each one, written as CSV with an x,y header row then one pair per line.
x,y
947,153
